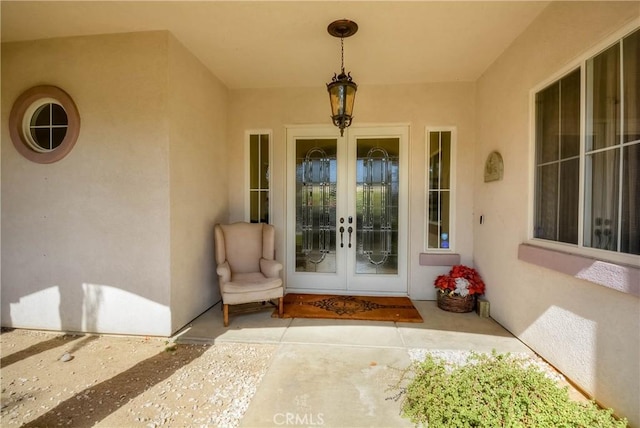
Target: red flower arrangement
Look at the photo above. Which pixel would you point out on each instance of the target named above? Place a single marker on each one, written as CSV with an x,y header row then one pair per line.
x,y
461,280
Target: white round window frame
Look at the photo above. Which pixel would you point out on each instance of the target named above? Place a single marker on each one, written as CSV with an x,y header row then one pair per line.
x,y
28,118
20,118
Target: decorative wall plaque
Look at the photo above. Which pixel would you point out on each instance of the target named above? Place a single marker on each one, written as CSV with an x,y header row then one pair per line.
x,y
493,167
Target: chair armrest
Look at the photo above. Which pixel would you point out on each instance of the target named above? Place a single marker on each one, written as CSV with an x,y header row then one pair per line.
x,y
224,272
270,268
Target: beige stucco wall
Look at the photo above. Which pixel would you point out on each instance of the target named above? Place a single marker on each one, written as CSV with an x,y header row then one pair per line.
x,y
116,237
198,181
442,104
85,241
588,331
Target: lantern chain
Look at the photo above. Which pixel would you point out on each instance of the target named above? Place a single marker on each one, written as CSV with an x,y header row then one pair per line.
x,y
342,53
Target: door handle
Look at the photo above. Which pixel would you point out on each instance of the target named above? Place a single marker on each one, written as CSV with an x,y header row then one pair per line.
x,y
350,229
341,233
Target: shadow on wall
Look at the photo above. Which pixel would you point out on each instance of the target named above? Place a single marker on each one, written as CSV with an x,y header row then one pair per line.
x,y
90,308
78,317
608,364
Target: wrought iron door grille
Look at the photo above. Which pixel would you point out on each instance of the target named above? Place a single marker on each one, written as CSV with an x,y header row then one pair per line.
x,y
317,196
377,230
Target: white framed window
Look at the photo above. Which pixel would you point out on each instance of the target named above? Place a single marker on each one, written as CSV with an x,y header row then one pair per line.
x,y
587,154
558,160
440,212
257,175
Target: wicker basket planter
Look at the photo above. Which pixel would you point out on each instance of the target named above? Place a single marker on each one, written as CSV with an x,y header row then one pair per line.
x,y
456,303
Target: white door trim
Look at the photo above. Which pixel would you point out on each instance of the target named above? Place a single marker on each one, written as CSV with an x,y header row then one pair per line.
x,y
345,281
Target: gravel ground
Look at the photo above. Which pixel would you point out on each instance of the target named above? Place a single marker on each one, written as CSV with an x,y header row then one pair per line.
x,y
125,381
51,379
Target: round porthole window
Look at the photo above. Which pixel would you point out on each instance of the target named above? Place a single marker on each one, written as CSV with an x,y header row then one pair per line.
x,y
44,124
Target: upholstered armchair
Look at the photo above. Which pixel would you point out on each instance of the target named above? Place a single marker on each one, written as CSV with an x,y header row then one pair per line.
x,y
247,270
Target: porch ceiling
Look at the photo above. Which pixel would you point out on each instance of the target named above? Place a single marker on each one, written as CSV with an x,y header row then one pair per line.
x,y
266,44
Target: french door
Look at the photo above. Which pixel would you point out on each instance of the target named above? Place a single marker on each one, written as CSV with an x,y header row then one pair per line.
x,y
347,210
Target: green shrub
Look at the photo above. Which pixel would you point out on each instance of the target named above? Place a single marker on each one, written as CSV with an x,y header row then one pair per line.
x,y
494,391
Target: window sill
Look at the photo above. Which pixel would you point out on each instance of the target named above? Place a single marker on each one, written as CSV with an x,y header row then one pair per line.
x,y
433,259
623,278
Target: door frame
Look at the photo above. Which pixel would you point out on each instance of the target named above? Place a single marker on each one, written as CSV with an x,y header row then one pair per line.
x,y
351,134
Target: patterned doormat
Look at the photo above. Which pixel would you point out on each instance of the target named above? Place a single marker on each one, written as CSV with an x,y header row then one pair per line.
x,y
372,308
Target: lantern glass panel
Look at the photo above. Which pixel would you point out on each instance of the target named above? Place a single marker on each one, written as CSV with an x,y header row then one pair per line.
x,y
342,96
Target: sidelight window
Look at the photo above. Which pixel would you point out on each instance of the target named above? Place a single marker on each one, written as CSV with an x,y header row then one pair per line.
x,y
258,172
440,144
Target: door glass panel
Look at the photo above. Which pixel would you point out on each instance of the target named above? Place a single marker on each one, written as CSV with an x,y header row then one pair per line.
x,y
316,180
377,197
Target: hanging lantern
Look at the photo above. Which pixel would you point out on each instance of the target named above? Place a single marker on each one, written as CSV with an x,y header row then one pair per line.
x,y
342,89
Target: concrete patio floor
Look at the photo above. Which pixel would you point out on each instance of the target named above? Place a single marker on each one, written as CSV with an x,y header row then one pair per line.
x,y
338,373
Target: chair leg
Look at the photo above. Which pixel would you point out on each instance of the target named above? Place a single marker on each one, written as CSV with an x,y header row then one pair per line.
x,y
280,307
225,314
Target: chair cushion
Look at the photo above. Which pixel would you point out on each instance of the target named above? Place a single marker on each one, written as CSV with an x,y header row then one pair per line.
x,y
251,287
